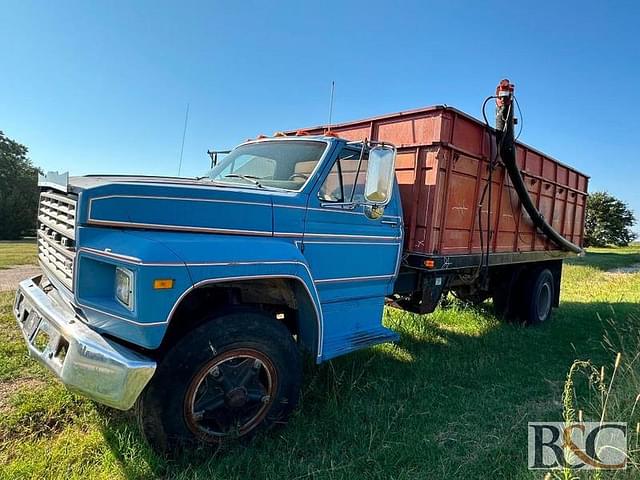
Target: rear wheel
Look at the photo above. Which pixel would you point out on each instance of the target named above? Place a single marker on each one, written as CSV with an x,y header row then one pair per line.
x,y
225,380
538,297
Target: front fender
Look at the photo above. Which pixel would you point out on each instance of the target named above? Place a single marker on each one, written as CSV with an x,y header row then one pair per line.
x,y
192,260
100,252
213,259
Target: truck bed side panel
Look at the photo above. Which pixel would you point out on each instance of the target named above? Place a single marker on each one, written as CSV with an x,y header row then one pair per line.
x,y
442,170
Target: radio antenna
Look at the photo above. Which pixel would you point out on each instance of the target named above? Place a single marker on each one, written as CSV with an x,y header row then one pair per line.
x,y
333,87
184,133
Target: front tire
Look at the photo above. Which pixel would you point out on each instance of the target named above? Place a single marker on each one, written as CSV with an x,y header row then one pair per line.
x,y
228,378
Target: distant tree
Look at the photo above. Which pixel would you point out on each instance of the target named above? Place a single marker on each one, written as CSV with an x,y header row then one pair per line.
x,y
18,190
609,221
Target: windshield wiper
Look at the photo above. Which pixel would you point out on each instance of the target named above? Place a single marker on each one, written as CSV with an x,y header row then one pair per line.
x,y
246,178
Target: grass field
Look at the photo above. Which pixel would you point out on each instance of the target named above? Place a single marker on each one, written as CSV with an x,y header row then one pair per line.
x,y
22,252
451,400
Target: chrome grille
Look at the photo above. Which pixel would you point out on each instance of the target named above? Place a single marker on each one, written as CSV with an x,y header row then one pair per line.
x,y
56,235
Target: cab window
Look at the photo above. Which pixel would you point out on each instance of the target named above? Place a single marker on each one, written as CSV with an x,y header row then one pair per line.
x,y
285,164
341,180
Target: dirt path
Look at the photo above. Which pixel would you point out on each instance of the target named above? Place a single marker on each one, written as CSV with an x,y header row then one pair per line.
x,y
10,277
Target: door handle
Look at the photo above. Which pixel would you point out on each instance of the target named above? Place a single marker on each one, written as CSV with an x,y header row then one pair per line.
x,y
392,223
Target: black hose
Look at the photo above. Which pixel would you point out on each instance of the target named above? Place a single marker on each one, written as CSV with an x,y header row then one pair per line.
x,y
504,137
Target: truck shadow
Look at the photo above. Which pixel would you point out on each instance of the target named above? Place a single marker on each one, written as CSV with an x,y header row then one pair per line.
x,y
451,393
606,261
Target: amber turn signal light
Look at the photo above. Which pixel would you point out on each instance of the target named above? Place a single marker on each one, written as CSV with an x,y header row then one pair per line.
x,y
429,263
162,283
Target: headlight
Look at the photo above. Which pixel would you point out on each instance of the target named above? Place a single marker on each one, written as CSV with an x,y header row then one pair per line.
x,y
124,287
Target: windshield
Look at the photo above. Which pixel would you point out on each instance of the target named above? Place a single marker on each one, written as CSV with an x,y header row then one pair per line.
x,y
280,163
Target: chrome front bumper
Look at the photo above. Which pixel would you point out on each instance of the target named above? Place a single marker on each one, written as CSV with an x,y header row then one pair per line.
x,y
81,358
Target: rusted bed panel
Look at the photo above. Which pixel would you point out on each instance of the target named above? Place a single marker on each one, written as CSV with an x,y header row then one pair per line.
x,y
442,170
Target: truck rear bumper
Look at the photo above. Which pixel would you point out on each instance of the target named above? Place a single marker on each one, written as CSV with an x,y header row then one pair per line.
x,y
81,358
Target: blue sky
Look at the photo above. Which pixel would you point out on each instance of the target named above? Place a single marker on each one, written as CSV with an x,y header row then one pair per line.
x,y
101,87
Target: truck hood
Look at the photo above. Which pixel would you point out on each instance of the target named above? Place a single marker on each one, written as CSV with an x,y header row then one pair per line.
x,y
78,184
175,204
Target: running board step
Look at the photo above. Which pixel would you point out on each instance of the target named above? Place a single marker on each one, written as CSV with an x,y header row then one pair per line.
x,y
336,346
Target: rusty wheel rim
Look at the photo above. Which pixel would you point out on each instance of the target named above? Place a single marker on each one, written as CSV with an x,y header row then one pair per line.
x,y
230,395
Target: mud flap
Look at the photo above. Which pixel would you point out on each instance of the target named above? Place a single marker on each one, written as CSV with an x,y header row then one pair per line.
x,y
432,288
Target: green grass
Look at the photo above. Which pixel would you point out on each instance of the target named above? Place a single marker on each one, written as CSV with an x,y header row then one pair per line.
x,y
451,400
22,252
609,258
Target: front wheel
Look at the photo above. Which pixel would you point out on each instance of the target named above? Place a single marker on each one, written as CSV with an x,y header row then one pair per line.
x,y
226,379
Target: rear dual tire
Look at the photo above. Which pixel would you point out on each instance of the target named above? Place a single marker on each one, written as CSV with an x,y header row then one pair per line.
x,y
529,299
539,295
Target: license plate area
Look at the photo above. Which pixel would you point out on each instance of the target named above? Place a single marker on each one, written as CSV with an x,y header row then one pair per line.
x,y
29,320
48,342
41,337
44,340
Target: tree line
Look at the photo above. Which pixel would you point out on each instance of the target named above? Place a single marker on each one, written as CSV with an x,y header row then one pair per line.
x,y
609,220
18,190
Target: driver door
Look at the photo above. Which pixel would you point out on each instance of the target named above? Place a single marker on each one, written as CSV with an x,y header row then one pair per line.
x,y
353,258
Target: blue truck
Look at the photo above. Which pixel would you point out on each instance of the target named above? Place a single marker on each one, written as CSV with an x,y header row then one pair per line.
x,y
194,299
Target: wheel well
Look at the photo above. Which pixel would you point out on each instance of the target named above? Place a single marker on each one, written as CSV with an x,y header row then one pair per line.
x,y
287,299
510,277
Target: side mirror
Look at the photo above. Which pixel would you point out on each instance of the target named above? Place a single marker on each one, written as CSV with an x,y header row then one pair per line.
x,y
380,173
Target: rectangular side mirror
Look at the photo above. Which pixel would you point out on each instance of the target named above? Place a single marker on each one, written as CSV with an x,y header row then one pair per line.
x,y
380,173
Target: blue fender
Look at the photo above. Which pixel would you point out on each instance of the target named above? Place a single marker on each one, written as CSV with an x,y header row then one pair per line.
x,y
213,259
101,252
192,260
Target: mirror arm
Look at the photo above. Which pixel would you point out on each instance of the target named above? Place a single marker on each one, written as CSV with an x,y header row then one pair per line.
x,y
339,163
355,181
214,156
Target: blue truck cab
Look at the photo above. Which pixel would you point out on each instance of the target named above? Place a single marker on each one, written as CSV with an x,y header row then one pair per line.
x,y
193,298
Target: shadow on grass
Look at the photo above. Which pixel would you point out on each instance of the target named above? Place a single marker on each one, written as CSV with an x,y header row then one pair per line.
x,y
444,401
606,260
